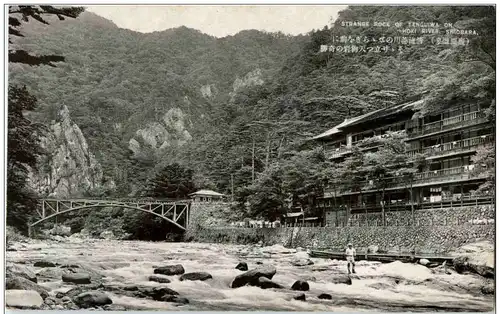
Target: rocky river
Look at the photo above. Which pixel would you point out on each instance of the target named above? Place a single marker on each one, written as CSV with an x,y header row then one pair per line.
x,y
133,275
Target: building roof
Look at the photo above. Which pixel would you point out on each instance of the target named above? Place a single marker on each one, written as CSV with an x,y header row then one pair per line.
x,y
380,113
206,193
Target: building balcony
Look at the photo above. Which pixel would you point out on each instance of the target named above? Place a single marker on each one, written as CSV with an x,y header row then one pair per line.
x,y
454,147
441,176
465,199
338,152
460,121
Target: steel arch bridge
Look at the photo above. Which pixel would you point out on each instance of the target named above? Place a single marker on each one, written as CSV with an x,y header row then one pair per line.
x,y
175,212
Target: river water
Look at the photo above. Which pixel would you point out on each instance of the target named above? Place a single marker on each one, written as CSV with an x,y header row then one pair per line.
x,y
387,287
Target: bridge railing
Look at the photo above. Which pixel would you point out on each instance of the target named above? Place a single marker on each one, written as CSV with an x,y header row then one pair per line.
x,y
120,200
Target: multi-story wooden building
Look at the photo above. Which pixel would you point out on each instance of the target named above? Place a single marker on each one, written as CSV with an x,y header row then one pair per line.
x,y
447,139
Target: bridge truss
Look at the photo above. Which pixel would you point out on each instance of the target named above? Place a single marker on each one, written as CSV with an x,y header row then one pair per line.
x,y
176,212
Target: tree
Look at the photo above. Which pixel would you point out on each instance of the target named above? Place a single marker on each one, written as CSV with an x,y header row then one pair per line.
x,y
173,181
23,13
351,176
484,166
23,135
391,164
23,148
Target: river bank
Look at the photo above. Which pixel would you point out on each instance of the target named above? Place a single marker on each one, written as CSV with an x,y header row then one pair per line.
x,y
120,271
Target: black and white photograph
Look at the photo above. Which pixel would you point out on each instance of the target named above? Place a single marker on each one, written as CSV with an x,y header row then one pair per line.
x,y
250,157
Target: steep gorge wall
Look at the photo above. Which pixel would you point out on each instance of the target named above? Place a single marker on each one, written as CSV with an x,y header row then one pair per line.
x,y
67,167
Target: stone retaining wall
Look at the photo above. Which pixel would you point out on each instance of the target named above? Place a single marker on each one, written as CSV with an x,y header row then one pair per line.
x,y
436,231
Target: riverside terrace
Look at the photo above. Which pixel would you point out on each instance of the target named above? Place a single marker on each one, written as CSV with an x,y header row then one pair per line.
x,y
447,139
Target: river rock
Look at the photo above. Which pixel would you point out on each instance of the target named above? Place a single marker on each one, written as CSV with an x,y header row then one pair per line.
x,y
44,264
253,276
265,283
242,266
301,259
372,249
20,271
174,299
464,265
159,278
78,278
489,288
325,296
91,299
424,262
108,235
300,297
196,276
23,299
155,293
341,279
277,249
170,270
300,285
20,283
51,273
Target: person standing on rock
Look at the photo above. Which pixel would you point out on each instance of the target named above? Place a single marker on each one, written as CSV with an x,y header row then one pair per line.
x,y
350,254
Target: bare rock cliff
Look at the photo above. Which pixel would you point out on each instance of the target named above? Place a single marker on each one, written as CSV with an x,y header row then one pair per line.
x,y
67,168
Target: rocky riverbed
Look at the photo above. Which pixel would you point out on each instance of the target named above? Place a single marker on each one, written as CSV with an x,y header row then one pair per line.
x,y
129,275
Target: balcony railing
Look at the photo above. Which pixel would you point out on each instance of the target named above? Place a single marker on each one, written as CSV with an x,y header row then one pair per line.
x,y
465,198
450,174
337,152
456,146
449,123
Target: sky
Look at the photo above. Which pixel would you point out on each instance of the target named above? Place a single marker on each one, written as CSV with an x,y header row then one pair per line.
x,y
221,20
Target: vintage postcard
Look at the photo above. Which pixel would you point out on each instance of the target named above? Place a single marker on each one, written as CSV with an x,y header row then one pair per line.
x,y
328,158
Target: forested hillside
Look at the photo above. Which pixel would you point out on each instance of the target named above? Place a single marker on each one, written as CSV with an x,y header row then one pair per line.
x,y
243,106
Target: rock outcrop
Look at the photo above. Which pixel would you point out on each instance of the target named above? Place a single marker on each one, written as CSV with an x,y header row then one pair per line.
x,y
67,167
170,132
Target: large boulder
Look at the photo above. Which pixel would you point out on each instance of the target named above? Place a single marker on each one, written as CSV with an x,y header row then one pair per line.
x,y
44,264
265,283
78,278
242,266
253,275
23,299
155,293
20,283
174,299
464,265
196,276
20,271
477,257
92,299
300,285
170,270
372,249
301,259
159,278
